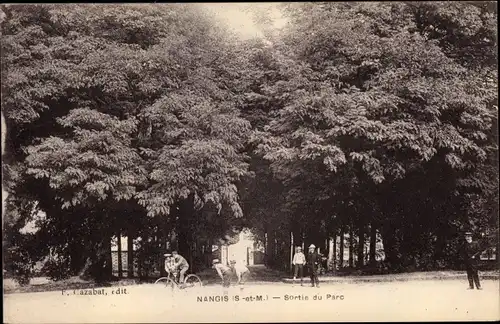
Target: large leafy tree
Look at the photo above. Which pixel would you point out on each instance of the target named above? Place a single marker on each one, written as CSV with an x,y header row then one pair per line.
x,y
119,109
378,103
145,118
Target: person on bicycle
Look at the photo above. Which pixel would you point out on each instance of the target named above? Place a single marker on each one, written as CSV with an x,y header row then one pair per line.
x,y
180,264
224,272
169,263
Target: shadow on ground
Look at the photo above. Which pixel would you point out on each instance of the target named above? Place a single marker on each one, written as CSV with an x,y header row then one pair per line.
x,y
259,273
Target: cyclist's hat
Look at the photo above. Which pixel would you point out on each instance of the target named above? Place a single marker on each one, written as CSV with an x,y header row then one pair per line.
x,y
167,254
215,261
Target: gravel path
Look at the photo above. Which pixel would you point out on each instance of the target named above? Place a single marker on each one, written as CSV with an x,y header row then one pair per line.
x,y
383,301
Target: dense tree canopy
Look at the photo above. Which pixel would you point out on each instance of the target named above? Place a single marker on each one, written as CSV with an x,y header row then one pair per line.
x,y
376,107
150,118
120,103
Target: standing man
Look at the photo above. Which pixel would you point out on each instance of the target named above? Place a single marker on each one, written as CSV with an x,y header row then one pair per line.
x,y
471,253
299,260
313,261
181,264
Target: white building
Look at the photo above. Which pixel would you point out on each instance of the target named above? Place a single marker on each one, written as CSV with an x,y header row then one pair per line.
x,y
242,252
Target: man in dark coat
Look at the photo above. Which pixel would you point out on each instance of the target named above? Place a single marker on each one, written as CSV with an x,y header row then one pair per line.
x,y
471,253
313,262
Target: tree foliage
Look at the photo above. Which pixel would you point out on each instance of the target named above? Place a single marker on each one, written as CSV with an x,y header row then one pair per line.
x,y
376,106
117,105
141,117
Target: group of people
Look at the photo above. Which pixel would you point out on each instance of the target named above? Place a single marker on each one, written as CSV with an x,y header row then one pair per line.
x,y
226,272
177,264
471,253
312,262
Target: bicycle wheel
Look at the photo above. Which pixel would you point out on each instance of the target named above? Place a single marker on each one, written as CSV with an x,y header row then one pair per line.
x,y
166,281
193,281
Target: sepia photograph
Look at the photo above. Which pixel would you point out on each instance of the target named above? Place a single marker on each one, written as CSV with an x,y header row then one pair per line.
x,y
250,162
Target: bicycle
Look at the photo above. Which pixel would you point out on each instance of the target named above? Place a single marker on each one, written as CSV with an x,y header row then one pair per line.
x,y
172,281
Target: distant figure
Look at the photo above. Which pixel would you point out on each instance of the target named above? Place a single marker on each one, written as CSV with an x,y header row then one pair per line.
x,y
299,260
313,262
471,252
181,264
223,271
242,272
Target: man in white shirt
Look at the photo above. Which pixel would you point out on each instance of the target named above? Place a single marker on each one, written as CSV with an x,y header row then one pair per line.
x,y
299,260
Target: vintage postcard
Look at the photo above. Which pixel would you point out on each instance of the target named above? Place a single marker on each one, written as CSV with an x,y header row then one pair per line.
x,y
250,162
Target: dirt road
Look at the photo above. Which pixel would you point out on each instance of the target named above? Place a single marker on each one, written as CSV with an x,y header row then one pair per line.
x,y
396,301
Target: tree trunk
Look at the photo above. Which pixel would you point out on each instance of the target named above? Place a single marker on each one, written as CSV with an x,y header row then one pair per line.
x,y
183,229
192,250
273,249
164,247
291,252
173,240
389,239
76,259
373,244
85,271
351,248
209,253
108,258
334,260
361,244
98,265
130,255
277,252
341,252
119,244
266,250
270,249
331,253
